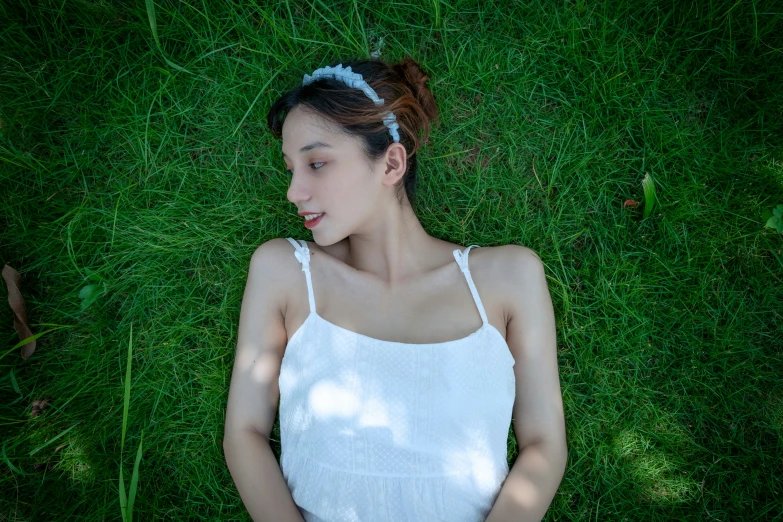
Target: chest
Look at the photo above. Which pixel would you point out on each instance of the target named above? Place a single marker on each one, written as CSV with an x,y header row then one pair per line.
x,y
438,307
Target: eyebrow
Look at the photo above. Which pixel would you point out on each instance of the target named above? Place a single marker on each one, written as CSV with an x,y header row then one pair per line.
x,y
314,145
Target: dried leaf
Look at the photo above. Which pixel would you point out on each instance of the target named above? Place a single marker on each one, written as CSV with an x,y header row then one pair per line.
x,y
39,405
13,282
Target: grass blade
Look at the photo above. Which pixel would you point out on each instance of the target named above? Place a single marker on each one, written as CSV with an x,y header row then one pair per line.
x,y
13,382
127,390
42,446
123,498
8,461
134,480
153,21
154,28
649,195
26,340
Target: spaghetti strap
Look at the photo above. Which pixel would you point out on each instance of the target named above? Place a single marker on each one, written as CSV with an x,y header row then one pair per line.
x,y
302,254
462,261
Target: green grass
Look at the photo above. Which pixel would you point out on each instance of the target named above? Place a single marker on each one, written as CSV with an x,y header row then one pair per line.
x,y
145,169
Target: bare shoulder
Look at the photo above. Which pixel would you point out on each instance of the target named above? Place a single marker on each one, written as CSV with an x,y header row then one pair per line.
x,y
523,278
517,255
503,260
275,263
277,245
273,256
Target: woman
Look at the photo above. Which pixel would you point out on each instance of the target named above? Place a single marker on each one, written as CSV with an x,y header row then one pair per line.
x,y
396,387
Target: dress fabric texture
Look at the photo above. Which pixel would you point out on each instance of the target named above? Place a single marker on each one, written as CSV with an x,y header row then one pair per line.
x,y
382,431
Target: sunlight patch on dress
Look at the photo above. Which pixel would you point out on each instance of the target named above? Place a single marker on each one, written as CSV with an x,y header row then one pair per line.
x,y
473,463
329,399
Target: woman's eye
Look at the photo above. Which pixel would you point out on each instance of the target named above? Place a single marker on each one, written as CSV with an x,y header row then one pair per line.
x,y
288,171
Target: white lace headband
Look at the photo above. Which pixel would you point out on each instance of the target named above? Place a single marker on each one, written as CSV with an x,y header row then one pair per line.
x,y
355,80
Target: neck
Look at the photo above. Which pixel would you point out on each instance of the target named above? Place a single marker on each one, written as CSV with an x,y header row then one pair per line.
x,y
394,248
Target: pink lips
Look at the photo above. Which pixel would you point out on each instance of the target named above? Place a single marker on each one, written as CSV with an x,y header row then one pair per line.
x,y
313,222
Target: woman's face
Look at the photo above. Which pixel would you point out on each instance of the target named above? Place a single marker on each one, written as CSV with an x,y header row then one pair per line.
x,y
329,174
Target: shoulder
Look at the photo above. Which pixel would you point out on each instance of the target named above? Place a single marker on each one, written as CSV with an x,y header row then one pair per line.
x,y
509,260
270,253
277,244
516,257
523,280
273,266
495,264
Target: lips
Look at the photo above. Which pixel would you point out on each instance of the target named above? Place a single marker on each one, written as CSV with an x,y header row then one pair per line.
x,y
314,222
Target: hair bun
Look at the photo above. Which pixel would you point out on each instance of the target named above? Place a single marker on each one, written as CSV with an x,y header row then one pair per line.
x,y
416,78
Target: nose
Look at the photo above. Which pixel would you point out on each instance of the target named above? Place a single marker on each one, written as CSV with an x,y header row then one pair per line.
x,y
297,191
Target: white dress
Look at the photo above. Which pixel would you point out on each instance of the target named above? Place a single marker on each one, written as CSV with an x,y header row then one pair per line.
x,y
382,431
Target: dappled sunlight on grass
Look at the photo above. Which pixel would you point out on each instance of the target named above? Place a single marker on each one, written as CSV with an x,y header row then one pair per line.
x,y
75,459
658,478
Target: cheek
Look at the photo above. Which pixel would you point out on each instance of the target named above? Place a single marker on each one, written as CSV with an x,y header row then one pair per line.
x,y
354,193
341,191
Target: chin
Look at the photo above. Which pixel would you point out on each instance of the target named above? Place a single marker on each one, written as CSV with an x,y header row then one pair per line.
x,y
325,242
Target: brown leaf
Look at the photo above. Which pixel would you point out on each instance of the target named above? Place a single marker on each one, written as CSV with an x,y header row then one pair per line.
x,y
14,282
630,203
39,405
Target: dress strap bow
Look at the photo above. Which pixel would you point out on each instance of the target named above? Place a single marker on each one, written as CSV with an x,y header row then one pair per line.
x,y
462,258
303,255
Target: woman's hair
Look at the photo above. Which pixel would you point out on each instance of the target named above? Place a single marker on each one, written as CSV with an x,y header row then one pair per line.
x,y
401,86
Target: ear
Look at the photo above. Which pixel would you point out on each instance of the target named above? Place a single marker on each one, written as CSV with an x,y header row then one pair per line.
x,y
396,162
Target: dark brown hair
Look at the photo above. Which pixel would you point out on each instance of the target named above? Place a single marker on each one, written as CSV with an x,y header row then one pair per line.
x,y
401,86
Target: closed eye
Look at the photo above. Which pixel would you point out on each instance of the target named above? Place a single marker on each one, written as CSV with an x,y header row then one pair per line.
x,y
288,171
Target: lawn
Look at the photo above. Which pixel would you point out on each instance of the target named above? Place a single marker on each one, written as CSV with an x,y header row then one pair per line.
x,y
138,177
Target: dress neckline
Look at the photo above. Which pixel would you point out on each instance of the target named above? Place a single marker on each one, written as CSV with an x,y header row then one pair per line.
x,y
486,325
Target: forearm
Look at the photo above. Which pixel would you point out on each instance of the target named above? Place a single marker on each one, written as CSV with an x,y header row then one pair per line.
x,y
530,486
259,479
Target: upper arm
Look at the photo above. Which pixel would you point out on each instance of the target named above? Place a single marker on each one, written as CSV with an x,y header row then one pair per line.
x,y
261,340
531,337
